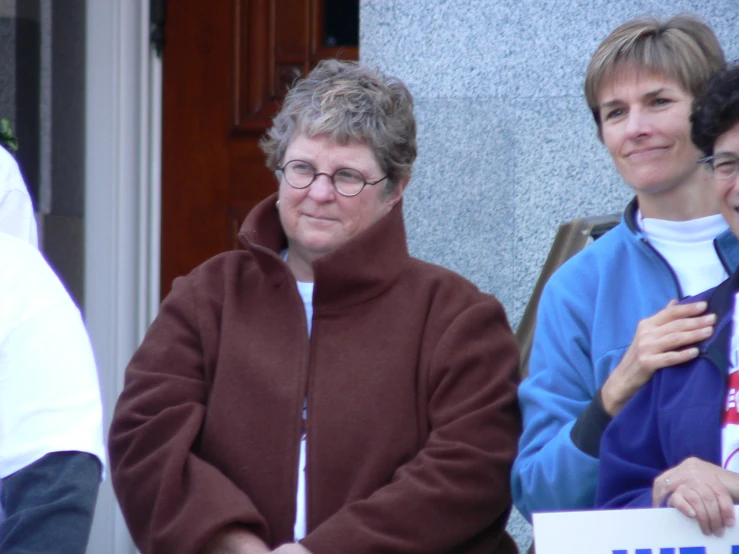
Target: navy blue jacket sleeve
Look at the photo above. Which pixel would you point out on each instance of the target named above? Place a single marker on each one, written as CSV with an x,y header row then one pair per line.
x,y
49,504
631,455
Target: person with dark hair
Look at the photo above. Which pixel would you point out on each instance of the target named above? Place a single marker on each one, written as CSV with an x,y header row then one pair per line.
x,y
321,390
676,443
608,318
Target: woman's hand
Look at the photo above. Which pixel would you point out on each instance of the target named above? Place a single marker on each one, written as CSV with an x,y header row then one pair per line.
x,y
700,490
660,341
235,539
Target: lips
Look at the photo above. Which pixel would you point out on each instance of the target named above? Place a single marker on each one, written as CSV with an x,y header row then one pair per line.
x,y
645,153
318,217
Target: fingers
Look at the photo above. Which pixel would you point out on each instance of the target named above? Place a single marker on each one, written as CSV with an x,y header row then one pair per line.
x,y
685,331
697,489
711,507
662,487
671,342
653,362
679,332
726,506
674,311
662,340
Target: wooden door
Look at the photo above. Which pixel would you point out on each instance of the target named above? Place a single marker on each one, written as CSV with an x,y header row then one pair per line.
x,y
227,64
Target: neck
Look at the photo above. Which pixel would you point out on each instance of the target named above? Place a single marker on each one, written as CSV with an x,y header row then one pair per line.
x,y
691,200
300,266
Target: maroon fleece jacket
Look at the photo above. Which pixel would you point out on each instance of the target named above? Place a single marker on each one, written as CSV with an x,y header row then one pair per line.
x,y
410,376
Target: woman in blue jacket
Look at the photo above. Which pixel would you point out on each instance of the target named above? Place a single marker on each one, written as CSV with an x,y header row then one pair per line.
x,y
676,442
608,318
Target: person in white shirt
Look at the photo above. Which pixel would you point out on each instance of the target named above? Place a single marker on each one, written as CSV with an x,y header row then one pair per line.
x,y
16,209
51,431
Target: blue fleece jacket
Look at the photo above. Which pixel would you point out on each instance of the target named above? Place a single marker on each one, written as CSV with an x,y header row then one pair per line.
x,y
676,415
586,320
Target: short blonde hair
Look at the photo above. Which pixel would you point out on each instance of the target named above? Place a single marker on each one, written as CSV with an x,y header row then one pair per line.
x,y
682,48
349,101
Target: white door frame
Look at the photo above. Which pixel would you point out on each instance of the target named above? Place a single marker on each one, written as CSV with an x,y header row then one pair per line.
x,y
122,209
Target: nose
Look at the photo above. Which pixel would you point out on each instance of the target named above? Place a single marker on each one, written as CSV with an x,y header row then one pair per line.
x,y
322,189
637,123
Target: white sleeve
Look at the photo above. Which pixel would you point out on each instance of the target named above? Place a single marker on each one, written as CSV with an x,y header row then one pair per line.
x,y
17,217
49,391
16,210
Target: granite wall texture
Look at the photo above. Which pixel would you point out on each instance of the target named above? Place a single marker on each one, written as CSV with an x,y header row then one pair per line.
x,y
508,149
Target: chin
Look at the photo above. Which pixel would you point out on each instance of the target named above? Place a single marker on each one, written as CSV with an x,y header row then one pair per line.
x,y
655,184
319,248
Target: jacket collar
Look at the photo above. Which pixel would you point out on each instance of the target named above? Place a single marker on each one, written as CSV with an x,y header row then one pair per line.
x,y
355,272
630,216
727,245
721,303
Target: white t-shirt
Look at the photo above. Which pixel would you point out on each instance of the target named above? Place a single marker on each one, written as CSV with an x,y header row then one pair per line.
x,y
49,392
16,209
306,293
688,247
730,419
299,529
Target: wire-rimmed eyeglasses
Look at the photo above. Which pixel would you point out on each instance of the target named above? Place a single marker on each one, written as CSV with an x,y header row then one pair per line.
x,y
300,174
723,165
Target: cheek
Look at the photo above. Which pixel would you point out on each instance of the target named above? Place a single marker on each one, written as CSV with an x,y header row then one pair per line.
x,y
725,191
362,215
610,141
682,133
290,197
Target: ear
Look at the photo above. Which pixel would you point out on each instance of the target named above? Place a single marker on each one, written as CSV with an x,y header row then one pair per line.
x,y
395,196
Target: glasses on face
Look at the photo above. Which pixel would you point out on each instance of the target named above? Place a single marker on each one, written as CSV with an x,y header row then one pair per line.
x,y
723,166
346,181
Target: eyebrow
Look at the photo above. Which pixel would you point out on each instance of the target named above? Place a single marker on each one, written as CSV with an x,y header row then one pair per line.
x,y
647,96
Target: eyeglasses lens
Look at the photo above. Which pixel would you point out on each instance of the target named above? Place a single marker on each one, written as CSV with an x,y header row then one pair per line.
x,y
348,181
725,166
300,175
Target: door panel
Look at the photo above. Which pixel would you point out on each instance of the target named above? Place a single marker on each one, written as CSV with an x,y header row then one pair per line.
x,y
227,65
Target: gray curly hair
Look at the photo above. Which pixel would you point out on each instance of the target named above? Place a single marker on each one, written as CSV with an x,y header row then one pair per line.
x,y
348,101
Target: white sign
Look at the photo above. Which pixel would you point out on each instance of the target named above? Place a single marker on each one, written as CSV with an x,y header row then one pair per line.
x,y
647,531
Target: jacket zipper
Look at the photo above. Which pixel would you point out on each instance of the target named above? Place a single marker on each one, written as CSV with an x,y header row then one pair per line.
x,y
303,406
669,267
303,400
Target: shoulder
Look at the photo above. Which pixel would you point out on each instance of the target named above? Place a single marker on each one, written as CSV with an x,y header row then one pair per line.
x,y
226,279
220,270
613,262
28,286
455,311
598,258
446,286
23,268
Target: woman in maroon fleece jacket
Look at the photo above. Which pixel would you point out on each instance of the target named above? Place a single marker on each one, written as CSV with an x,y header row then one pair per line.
x,y
322,391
